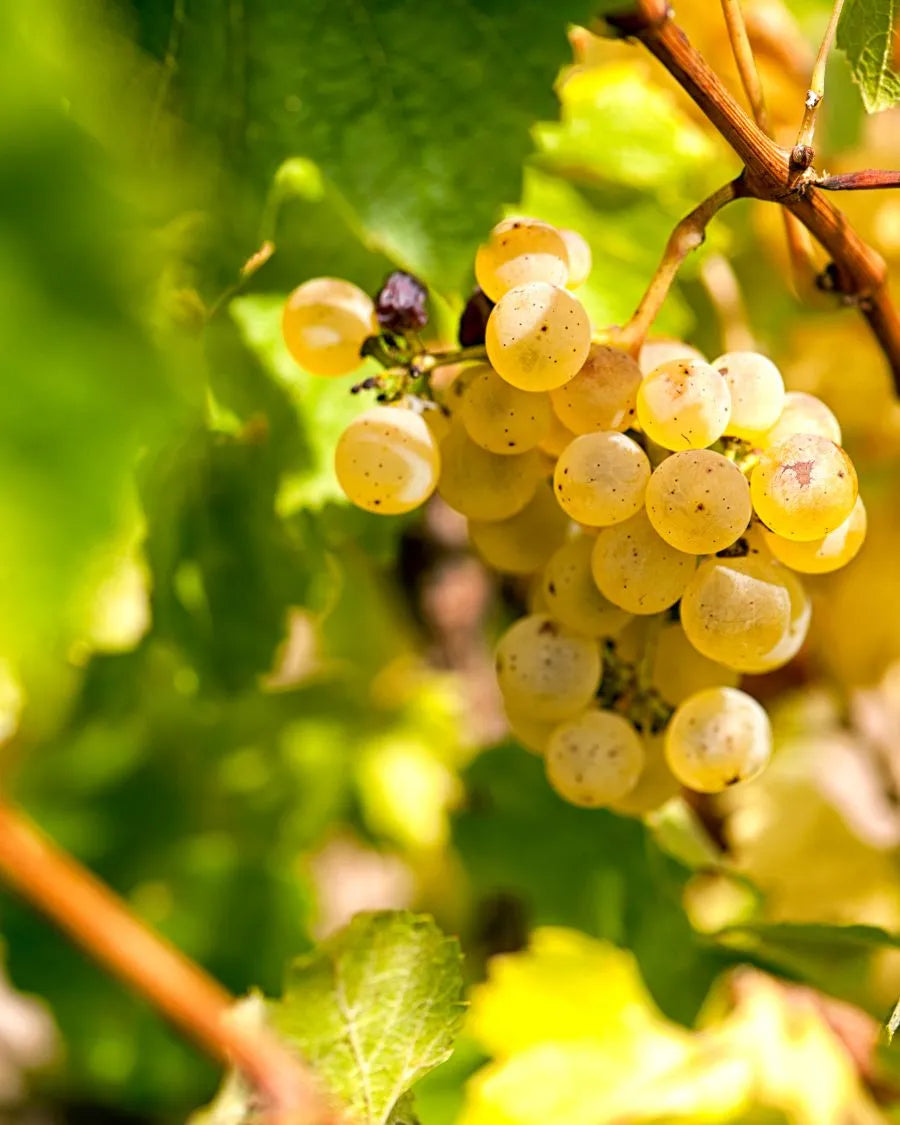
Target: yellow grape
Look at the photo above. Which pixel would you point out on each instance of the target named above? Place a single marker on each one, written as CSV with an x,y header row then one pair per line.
x,y
579,257
455,391
500,417
603,395
656,784
757,392
525,541
324,324
533,734
438,421
802,414
520,251
546,671
482,485
717,738
594,758
736,611
558,437
698,501
684,404
600,479
679,669
637,570
387,460
831,552
656,352
538,336
804,487
792,641
570,594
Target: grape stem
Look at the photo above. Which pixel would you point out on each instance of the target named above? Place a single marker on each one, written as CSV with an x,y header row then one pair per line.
x,y
427,362
816,92
103,925
253,264
800,251
858,272
746,62
687,236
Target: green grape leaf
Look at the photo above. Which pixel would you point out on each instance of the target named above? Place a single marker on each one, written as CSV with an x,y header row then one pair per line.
x,y
836,959
866,35
418,115
374,1008
616,128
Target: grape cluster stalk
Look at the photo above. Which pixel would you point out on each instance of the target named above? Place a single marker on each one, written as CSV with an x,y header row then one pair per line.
x,y
658,508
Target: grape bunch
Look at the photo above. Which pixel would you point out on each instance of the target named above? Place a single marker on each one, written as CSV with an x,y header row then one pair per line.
x,y
656,508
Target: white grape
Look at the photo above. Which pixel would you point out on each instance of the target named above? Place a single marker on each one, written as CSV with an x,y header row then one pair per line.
x,y
717,738
594,759
698,501
538,336
546,671
324,324
387,460
684,404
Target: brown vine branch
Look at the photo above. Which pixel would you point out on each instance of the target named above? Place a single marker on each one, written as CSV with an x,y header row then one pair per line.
x,y
687,236
870,179
102,924
860,275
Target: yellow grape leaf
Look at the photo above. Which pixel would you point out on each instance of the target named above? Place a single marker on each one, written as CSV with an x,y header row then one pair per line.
x,y
577,1040
567,986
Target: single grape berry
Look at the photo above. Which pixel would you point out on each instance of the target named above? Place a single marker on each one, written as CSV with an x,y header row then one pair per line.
x,y
716,738
473,322
401,303
594,759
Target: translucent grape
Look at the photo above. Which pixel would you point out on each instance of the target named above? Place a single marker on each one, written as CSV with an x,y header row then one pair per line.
x,y
387,460
717,738
520,251
324,324
804,487
558,437
637,570
679,670
603,395
538,336
524,542
736,611
482,485
831,552
533,734
757,392
802,414
438,421
570,594
684,404
501,418
656,784
656,352
600,479
546,671
698,501
798,626
579,257
594,758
